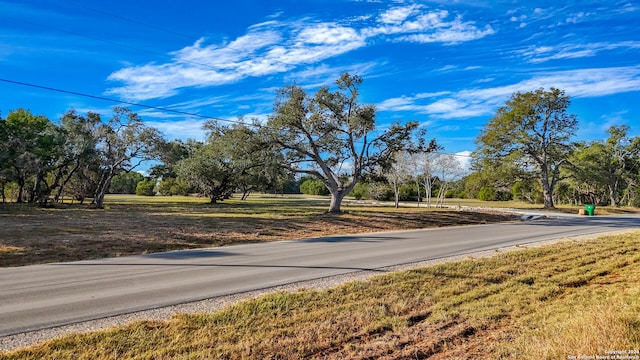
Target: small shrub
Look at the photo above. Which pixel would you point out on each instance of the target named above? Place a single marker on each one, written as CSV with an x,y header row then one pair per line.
x,y
146,187
313,187
487,194
360,191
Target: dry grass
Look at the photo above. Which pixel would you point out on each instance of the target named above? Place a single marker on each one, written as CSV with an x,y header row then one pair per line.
x,y
134,225
573,298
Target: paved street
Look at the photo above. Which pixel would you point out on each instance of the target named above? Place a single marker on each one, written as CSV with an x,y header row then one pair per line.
x,y
41,296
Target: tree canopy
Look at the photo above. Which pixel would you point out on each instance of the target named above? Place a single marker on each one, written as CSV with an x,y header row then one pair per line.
x,y
534,130
333,137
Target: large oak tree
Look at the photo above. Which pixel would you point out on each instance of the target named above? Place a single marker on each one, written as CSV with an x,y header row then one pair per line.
x,y
534,130
333,137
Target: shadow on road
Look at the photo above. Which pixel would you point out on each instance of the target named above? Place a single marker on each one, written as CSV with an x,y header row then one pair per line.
x,y
362,238
258,266
189,254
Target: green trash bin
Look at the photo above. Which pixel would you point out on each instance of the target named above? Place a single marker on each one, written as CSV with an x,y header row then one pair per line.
x,y
589,209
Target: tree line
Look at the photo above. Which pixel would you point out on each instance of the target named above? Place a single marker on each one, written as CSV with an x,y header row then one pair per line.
x,y
524,152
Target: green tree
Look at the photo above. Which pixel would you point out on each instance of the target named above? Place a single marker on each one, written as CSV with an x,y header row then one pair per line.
x,y
125,183
330,136
313,187
173,186
146,187
124,142
209,171
256,167
605,169
216,168
169,154
79,149
533,128
527,190
32,149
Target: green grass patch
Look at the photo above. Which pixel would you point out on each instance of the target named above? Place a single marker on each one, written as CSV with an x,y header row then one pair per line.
x,y
572,298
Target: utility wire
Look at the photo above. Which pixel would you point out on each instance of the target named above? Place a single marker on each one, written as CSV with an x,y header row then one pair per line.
x,y
125,102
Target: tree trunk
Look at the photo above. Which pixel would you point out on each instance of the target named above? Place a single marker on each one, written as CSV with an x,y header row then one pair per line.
x,y
99,199
613,194
547,188
102,190
427,192
396,192
547,193
56,198
336,201
20,189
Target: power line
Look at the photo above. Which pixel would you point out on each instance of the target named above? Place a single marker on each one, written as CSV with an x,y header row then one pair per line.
x,y
124,102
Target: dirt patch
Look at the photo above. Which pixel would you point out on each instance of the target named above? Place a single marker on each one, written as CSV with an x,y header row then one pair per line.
x,y
68,233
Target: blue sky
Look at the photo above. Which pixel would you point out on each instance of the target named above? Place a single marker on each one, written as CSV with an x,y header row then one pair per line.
x,y
447,64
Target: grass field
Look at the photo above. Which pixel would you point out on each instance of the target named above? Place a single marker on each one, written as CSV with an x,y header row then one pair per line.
x,y
135,224
569,299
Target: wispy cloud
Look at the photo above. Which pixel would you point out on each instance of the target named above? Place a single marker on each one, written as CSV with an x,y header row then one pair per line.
x,y
540,54
181,129
275,47
480,102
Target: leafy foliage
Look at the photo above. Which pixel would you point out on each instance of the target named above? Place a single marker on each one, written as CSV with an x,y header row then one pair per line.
x,y
232,158
332,137
532,131
32,149
606,171
146,187
125,183
123,143
313,187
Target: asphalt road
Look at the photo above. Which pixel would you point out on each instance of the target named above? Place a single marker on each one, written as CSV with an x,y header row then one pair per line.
x,y
42,296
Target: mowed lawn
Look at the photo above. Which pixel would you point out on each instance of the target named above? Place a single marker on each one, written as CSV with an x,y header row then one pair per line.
x,y
135,224
576,298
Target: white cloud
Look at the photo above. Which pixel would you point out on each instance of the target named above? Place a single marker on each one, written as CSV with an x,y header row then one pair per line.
x,y
182,129
446,68
328,34
629,7
429,27
467,103
539,54
464,158
276,47
397,15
